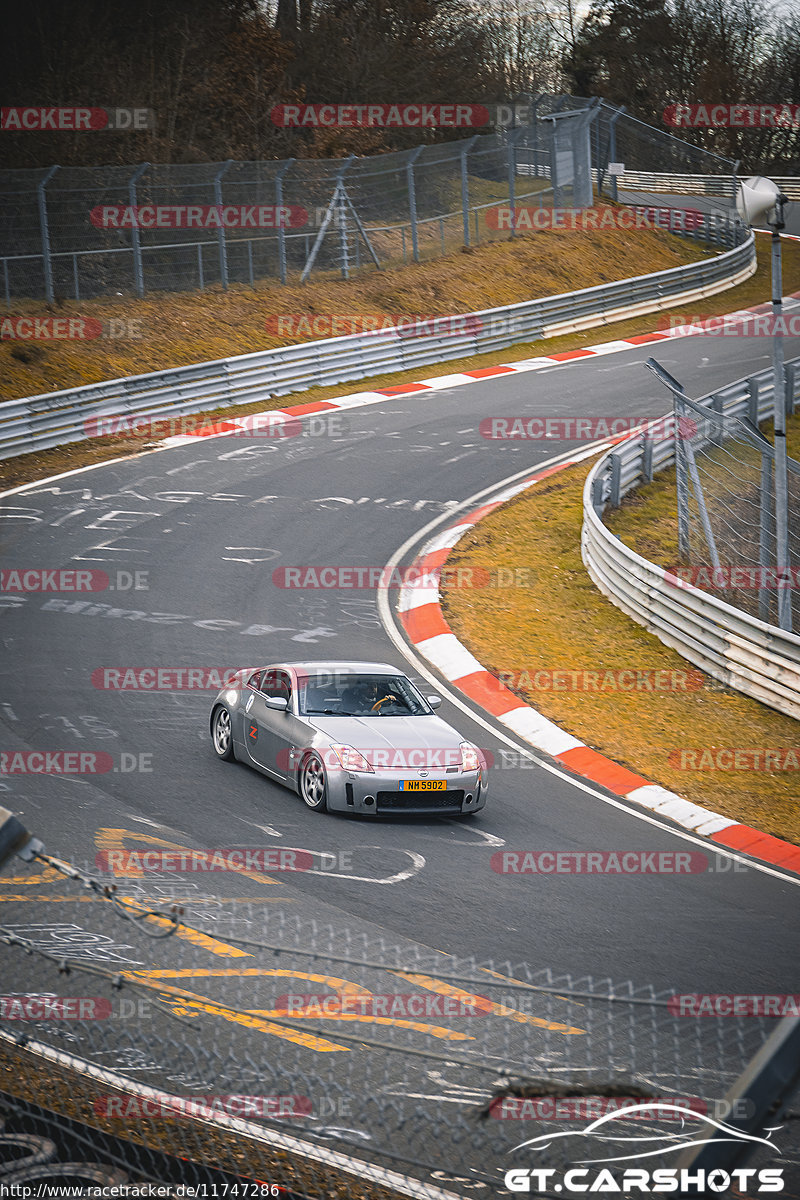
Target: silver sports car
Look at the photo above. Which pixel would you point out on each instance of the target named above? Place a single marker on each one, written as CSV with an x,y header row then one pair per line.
x,y
349,736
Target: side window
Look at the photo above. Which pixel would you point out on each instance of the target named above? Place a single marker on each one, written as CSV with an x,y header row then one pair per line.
x,y
277,683
255,681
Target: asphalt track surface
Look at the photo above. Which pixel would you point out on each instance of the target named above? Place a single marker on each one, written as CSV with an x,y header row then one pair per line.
x,y
208,523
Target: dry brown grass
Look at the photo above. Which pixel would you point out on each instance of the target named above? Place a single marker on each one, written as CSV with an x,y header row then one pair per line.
x,y
564,622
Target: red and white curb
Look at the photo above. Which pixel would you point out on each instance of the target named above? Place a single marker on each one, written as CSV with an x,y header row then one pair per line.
x,y
228,426
422,618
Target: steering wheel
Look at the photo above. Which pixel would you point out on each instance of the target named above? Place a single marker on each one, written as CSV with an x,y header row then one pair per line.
x,y
378,703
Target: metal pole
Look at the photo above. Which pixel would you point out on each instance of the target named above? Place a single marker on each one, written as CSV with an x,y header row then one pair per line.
x,y
223,250
138,273
765,521
465,186
612,150
779,421
681,482
412,200
45,233
279,203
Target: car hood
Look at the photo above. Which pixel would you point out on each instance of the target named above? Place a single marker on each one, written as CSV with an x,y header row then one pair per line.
x,y
414,739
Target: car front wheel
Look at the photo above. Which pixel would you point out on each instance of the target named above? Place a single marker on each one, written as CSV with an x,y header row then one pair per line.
x,y
313,785
222,734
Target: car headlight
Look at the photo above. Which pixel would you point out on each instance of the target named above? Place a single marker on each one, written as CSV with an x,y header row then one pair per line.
x,y
469,757
350,758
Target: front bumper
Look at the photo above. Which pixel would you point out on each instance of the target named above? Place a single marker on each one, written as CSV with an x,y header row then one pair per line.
x,y
378,793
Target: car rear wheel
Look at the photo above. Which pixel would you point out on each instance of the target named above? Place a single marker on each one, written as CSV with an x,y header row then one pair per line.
x,y
222,734
313,786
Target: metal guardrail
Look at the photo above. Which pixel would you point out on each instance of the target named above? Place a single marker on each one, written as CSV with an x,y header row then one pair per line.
x,y
742,652
55,418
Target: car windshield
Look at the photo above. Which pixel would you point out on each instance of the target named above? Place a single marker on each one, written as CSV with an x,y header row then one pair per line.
x,y
340,694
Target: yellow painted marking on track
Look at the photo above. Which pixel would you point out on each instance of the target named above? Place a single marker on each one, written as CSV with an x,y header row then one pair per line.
x,y
451,1035
511,979
172,900
189,935
49,875
107,839
190,1000
500,1010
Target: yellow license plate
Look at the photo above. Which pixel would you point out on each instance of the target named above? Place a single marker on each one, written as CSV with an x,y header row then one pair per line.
x,y
423,785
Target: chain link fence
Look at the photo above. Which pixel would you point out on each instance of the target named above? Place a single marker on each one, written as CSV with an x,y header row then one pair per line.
x,y
726,513
83,232
176,1036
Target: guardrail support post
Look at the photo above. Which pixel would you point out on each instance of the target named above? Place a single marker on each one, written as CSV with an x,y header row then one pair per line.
x,y
752,402
412,200
616,478
279,204
47,262
136,246
223,250
647,459
465,186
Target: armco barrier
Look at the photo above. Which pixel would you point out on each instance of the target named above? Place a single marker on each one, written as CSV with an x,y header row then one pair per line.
x,y
41,422
758,659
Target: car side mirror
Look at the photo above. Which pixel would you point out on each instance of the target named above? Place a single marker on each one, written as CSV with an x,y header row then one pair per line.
x,y
434,701
277,702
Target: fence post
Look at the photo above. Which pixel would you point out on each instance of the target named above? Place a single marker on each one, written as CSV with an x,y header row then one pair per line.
x,y
279,203
136,246
223,250
681,482
765,529
412,199
465,149
612,150
47,262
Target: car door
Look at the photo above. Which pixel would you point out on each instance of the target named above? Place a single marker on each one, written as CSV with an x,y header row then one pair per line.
x,y
270,734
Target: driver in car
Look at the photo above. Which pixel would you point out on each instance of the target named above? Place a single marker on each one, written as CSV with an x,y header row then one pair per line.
x,y
368,696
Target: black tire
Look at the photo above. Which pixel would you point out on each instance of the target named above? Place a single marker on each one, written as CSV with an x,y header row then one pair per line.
x,y
222,734
313,784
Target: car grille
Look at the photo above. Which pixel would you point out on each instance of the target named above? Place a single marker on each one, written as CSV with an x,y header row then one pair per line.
x,y
398,801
